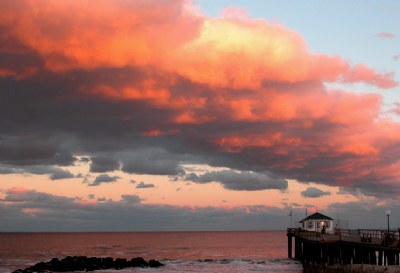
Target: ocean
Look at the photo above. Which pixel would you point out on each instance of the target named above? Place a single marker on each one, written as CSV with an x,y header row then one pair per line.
x,y
233,252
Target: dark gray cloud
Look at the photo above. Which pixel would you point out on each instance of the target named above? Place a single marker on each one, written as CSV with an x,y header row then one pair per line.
x,y
131,199
54,173
84,159
312,192
351,191
7,170
143,185
103,178
33,150
61,174
91,196
157,161
243,181
58,213
102,164
39,199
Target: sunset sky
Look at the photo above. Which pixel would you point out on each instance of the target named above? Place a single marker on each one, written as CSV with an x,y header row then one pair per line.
x,y
120,115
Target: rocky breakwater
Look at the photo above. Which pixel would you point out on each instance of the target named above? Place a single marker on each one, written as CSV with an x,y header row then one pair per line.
x,y
83,263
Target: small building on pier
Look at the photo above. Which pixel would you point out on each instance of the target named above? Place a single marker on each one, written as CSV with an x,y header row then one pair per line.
x,y
316,221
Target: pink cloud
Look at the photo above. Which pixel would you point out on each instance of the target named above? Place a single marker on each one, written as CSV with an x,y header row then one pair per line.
x,y
396,108
362,73
33,211
234,12
386,35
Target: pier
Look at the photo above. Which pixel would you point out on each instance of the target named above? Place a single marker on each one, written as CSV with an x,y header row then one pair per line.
x,y
362,246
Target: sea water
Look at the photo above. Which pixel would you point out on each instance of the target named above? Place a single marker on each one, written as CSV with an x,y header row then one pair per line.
x,y
244,251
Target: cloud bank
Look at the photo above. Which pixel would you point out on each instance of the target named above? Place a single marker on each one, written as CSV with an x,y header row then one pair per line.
x,y
24,210
148,87
30,210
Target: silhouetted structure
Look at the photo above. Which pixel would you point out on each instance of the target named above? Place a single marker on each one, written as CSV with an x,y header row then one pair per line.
x,y
362,246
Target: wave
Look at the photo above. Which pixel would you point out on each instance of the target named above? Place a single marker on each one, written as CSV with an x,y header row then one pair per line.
x,y
232,261
210,265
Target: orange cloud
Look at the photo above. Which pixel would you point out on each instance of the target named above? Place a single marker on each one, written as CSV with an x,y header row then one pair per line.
x,y
277,139
242,54
234,52
75,34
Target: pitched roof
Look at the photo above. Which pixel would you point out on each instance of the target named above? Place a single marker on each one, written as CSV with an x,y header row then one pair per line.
x,y
316,216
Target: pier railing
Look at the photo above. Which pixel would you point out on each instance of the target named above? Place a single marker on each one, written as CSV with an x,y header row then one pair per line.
x,y
372,236
308,235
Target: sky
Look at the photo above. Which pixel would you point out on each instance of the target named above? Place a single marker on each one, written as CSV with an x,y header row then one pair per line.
x,y
178,115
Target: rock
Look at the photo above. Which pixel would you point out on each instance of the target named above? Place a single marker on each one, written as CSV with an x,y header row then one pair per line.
x,y
55,261
154,263
121,263
138,262
94,263
108,262
83,263
69,264
80,263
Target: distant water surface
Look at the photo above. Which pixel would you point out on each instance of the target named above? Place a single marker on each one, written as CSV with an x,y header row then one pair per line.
x,y
253,251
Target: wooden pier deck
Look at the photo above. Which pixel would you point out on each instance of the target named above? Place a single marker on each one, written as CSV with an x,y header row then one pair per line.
x,y
362,246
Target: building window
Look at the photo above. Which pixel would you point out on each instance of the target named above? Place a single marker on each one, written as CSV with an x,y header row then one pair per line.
x,y
318,224
310,224
327,224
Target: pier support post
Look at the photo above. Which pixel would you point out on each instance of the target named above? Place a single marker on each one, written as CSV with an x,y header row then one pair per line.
x,y
347,254
366,256
390,257
290,238
380,258
373,257
357,255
